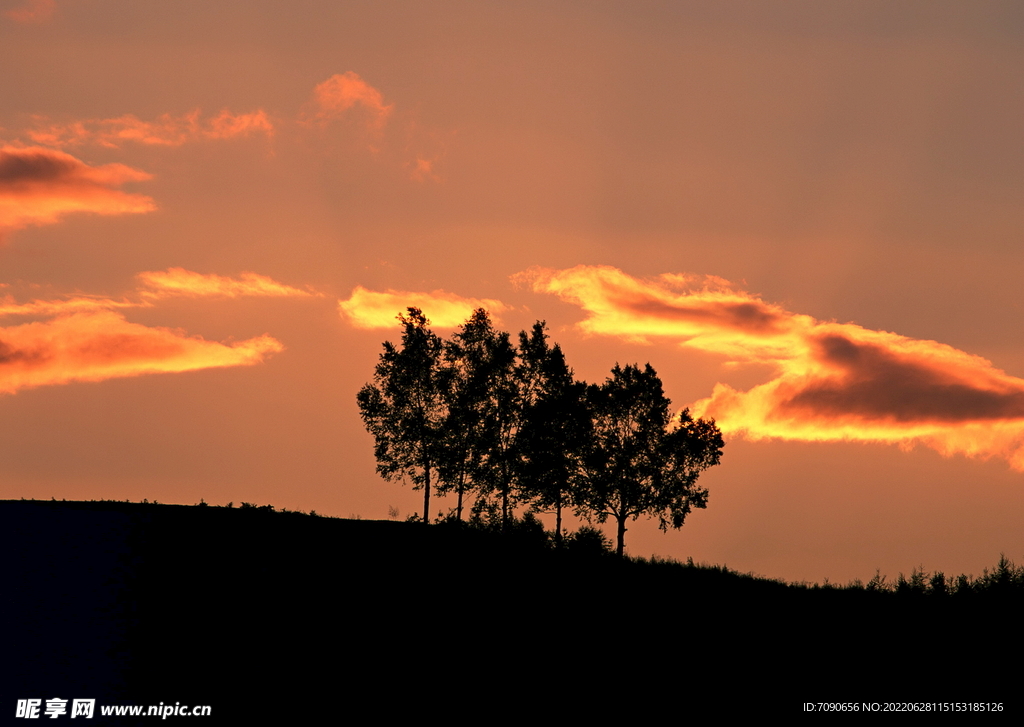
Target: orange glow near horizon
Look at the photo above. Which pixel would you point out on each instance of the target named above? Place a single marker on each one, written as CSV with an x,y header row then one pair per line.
x,y
38,186
103,345
375,309
833,381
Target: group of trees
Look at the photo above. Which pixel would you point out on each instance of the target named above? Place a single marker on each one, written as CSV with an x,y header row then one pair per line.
x,y
478,416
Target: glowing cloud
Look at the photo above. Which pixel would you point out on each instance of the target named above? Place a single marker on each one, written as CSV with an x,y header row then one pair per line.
x,y
173,282
167,130
374,309
33,11
833,381
103,345
38,186
181,282
10,307
339,93
87,340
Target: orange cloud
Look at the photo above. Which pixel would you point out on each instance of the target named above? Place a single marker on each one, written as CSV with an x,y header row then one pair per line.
x,y
178,281
103,345
38,186
158,284
9,307
227,125
339,93
33,11
832,382
167,130
374,309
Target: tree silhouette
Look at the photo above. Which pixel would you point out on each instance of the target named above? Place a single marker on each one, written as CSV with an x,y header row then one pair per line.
x,y
556,427
641,461
504,407
485,405
477,415
469,359
405,408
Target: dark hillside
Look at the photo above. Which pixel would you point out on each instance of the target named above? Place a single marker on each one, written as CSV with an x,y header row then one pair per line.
x,y
258,612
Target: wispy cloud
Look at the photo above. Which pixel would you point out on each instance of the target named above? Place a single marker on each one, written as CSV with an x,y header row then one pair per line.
x,y
103,345
832,381
63,306
342,97
38,186
333,98
181,282
86,338
228,125
379,309
33,11
156,285
167,130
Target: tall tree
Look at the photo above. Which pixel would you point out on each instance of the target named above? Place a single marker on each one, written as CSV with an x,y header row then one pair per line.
x,y
468,361
493,386
556,427
642,462
405,407
502,414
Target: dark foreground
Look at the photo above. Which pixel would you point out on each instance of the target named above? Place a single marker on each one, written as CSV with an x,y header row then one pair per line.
x,y
290,619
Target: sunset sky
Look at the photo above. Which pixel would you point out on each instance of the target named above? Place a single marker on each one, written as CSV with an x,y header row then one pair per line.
x,y
807,216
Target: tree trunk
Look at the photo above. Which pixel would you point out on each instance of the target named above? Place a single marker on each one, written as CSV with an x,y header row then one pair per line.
x,y
558,520
621,534
426,493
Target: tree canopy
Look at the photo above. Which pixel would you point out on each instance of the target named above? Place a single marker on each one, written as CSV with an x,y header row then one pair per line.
x,y
557,428
406,407
643,461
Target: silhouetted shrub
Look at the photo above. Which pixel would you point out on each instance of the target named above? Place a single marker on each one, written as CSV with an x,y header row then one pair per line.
x,y
588,540
527,531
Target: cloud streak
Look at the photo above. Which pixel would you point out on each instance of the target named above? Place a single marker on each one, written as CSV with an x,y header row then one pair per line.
x,y
103,345
167,130
181,282
369,309
50,308
832,381
344,97
38,186
86,338
155,285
